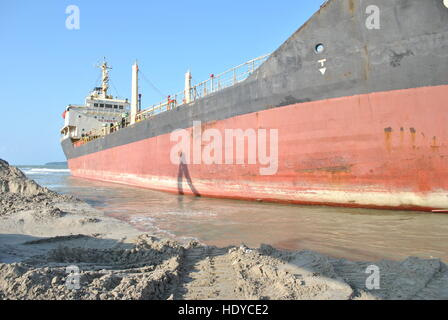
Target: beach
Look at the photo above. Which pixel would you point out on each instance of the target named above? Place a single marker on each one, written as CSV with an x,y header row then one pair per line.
x,y
42,233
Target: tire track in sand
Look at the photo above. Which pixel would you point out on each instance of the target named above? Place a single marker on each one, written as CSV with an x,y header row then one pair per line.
x,y
207,274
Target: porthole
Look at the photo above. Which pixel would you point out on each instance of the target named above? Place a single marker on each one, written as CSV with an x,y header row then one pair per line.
x,y
319,48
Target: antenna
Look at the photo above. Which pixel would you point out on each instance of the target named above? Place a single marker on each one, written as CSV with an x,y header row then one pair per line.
x,y
105,76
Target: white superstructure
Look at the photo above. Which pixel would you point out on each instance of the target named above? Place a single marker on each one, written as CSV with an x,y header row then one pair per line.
x,y
100,112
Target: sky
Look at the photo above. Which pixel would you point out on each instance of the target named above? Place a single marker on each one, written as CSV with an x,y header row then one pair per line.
x,y
44,66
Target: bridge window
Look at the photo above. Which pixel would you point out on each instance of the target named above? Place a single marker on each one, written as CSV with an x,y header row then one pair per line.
x,y
108,106
101,105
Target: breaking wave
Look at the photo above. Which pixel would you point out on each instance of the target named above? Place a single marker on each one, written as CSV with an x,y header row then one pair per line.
x,y
31,171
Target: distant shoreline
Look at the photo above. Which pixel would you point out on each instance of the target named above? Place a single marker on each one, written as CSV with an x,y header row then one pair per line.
x,y
61,163
21,165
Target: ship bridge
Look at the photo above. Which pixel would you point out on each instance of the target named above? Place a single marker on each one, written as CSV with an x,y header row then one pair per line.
x,y
97,115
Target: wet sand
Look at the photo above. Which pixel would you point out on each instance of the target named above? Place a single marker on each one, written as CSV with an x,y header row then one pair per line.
x,y
354,234
42,233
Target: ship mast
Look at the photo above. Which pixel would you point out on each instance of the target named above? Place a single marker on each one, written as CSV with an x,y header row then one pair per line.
x,y
105,78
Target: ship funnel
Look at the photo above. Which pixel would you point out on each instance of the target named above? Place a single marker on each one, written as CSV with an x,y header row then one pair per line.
x,y
134,96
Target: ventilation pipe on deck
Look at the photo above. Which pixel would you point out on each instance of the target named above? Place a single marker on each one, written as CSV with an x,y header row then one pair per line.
x,y
134,96
187,87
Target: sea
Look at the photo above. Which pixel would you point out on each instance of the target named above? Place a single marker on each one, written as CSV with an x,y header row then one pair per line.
x,y
355,234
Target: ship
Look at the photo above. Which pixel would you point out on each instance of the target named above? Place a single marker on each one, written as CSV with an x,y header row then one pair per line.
x,y
351,111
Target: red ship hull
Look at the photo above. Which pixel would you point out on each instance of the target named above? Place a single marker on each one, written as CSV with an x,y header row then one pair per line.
x,y
379,150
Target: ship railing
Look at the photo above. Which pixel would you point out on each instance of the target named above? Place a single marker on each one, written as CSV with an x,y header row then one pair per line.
x,y
227,79
214,84
170,103
97,133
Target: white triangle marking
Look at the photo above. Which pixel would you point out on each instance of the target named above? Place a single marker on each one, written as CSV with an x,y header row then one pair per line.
x,y
323,70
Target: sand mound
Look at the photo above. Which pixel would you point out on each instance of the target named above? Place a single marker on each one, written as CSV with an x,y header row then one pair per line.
x,y
160,269
18,193
147,271
268,273
14,181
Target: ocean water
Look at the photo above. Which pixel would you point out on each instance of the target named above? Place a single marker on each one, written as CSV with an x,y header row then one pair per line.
x,y
357,234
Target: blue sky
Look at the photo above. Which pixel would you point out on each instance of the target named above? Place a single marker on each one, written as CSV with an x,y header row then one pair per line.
x,y
44,66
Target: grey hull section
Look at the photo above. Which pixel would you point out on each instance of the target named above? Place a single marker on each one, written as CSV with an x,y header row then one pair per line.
x,y
409,50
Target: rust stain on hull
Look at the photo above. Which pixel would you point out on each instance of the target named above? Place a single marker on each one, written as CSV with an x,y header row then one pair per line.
x,y
413,137
388,138
434,145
